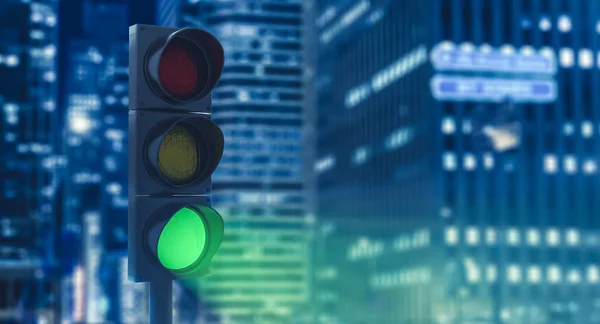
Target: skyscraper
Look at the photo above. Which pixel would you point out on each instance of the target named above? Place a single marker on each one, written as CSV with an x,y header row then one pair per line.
x,y
261,272
83,185
499,226
29,161
95,133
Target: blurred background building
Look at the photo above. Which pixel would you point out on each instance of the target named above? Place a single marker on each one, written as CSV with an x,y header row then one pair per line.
x,y
455,161
28,146
511,234
261,274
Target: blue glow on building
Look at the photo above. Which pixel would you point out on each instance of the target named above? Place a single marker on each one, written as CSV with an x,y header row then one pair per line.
x,y
486,59
493,89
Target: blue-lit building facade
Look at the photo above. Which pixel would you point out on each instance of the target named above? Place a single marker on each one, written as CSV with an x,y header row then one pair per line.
x,y
30,163
502,227
261,273
95,287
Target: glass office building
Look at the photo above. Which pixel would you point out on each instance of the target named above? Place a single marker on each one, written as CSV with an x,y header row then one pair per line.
x,y
500,226
83,183
261,273
28,40
95,187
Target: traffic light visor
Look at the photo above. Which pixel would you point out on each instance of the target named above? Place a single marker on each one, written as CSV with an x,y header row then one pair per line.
x,y
184,66
182,241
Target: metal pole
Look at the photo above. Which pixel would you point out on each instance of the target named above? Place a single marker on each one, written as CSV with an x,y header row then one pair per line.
x,y
161,302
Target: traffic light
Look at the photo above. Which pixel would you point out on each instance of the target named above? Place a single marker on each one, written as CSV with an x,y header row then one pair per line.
x,y
174,147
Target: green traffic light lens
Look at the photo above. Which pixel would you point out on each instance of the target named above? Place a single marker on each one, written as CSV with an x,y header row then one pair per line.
x,y
182,241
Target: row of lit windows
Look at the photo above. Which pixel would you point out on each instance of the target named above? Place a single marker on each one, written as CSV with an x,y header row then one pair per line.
x,y
86,178
240,30
327,273
571,164
397,139
449,127
42,14
563,23
516,274
506,58
407,277
262,133
84,102
388,75
352,15
225,172
271,198
10,60
53,162
249,146
415,240
111,100
567,57
328,14
365,248
449,161
36,148
515,237
264,159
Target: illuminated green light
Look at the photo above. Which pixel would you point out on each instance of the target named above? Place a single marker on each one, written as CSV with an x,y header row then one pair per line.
x,y
182,241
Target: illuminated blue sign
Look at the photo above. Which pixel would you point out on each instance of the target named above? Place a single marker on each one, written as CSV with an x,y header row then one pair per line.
x,y
452,59
448,88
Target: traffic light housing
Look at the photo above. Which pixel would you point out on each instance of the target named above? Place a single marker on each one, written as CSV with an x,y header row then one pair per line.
x,y
174,148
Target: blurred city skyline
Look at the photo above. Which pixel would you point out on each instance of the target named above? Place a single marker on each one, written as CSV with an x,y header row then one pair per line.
x,y
386,161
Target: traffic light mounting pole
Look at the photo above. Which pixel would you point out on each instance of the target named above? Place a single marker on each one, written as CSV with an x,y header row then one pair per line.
x,y
161,301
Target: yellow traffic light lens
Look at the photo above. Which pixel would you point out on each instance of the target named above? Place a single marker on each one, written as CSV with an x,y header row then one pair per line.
x,y
178,155
182,240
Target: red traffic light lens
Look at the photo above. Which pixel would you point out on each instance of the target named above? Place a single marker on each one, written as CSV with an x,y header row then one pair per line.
x,y
183,69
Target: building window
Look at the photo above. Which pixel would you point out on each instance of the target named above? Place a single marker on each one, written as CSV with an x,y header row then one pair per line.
x,y
566,57
488,161
512,236
533,237
514,274
572,237
570,164
490,236
553,237
550,164
470,162
545,24
472,236
554,274
564,23
449,161
452,236
593,274
448,125
492,273
574,277
586,58
590,167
